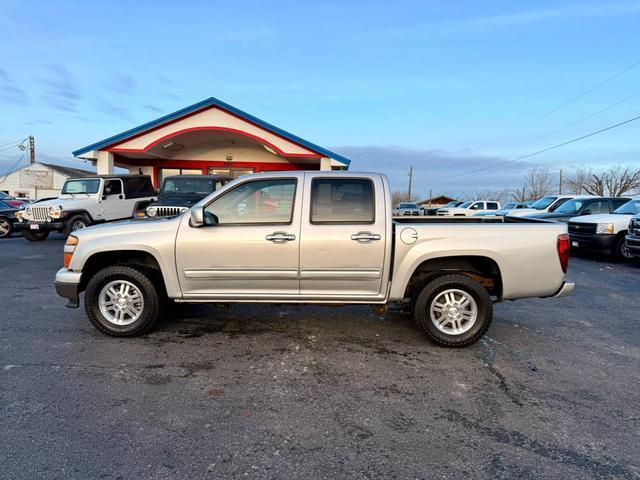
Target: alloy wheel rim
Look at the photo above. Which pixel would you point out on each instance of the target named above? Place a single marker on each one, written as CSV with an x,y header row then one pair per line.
x,y
78,225
4,227
624,250
121,302
453,311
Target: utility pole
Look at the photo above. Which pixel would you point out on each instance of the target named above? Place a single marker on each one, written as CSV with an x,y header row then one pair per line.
x,y
410,179
560,185
32,149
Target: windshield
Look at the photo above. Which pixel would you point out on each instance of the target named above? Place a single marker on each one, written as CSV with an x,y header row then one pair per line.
x,y
629,208
572,206
509,206
90,185
455,203
190,186
407,205
543,203
5,196
465,204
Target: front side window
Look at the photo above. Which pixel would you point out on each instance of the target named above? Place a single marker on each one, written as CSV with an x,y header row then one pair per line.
x,y
91,185
596,208
477,206
570,207
112,187
258,202
342,200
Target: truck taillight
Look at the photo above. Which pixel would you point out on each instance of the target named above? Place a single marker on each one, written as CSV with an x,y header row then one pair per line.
x,y
563,251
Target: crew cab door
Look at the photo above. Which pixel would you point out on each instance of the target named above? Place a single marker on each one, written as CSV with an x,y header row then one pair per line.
x,y
113,206
250,249
343,236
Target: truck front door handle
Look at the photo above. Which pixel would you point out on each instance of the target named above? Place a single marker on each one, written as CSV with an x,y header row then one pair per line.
x,y
280,237
365,237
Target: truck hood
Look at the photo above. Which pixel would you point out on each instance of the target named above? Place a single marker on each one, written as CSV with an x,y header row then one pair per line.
x,y
66,202
127,229
178,200
617,219
524,212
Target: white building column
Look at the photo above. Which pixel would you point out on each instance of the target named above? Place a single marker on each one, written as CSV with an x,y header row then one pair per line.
x,y
325,163
104,163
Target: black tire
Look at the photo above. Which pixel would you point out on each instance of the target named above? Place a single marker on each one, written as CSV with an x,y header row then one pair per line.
x,y
622,252
143,281
6,227
77,222
430,292
35,236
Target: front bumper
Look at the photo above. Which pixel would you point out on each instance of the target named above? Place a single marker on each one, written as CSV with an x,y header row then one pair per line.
x,y
68,286
633,244
597,242
42,226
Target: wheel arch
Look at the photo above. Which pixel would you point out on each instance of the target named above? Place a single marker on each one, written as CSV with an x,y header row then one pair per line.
x,y
481,268
135,258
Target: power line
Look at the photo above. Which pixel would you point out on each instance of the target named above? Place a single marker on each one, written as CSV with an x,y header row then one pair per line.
x,y
559,107
529,155
11,143
12,167
608,107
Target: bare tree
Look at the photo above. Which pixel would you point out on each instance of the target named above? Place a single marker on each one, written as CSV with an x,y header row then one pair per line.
x,y
400,197
520,194
614,182
537,182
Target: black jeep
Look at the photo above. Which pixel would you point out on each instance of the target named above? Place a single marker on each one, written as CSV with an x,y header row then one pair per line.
x,y
180,192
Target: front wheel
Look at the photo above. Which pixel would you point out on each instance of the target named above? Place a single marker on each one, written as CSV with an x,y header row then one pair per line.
x,y
77,222
35,235
122,301
454,310
622,250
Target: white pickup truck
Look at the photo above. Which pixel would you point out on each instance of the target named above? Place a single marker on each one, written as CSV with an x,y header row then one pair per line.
x,y
86,201
469,209
311,237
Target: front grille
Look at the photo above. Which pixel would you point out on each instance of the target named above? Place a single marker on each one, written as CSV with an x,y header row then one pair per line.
x,y
635,230
582,228
170,211
40,213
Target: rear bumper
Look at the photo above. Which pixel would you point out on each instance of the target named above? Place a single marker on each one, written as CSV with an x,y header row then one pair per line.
x,y
68,286
566,289
596,242
633,244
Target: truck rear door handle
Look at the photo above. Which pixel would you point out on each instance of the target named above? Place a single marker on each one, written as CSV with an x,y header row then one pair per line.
x,y
280,237
365,237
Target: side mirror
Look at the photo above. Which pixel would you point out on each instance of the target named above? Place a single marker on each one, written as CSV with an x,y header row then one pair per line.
x,y
104,197
197,216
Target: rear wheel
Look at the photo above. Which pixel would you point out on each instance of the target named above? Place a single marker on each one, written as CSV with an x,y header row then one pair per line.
x,y
122,301
5,227
35,235
77,222
454,310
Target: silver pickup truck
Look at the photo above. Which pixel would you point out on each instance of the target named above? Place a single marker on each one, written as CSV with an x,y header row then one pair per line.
x,y
311,237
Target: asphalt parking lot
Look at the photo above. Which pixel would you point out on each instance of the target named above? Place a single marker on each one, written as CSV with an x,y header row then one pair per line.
x,y
309,392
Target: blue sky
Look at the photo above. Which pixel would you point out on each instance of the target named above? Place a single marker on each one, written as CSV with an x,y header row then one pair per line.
x,y
389,84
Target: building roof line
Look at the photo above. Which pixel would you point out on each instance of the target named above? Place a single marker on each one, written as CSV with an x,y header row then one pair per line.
x,y
210,102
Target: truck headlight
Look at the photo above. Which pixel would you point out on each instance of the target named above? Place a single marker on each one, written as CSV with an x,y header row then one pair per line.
x,y
605,228
151,211
69,248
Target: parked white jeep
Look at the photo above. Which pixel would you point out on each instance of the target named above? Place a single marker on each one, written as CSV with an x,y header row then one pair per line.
x,y
86,201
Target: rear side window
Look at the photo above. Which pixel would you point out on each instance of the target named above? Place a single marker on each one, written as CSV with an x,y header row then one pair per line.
x,y
137,187
492,206
342,200
618,202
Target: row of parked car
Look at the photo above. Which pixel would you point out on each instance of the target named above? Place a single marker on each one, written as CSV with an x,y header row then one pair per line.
x,y
600,224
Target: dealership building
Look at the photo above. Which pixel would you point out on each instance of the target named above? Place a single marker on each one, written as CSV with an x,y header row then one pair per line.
x,y
210,137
